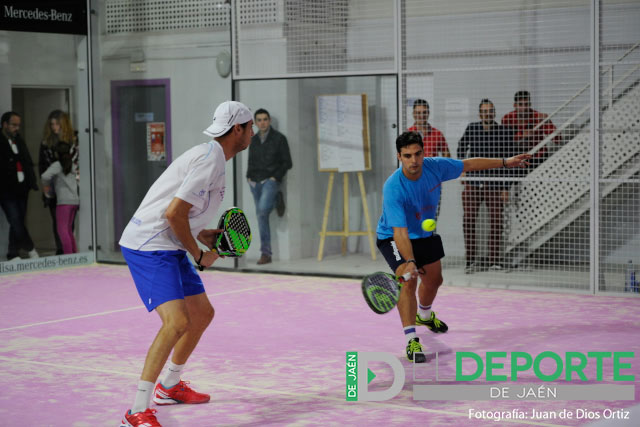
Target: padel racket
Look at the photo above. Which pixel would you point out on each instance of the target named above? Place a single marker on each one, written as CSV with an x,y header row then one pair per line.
x,y
236,235
381,290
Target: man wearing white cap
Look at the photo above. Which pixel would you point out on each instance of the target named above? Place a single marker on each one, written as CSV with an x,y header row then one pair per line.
x,y
172,215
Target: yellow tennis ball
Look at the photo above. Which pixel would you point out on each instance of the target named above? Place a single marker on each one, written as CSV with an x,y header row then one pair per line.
x,y
429,225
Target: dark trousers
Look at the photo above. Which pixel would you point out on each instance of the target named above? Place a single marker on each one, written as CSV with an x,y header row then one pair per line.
x,y
472,197
19,238
52,203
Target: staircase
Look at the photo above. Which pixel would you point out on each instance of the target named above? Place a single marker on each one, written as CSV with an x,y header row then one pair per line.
x,y
556,193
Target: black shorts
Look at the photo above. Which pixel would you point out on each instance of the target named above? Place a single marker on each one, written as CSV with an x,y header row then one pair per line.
x,y
426,250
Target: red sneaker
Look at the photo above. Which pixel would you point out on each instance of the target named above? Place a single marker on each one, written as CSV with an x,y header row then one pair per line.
x,y
179,393
140,419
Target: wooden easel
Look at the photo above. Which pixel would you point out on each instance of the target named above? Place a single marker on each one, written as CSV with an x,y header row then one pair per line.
x,y
345,212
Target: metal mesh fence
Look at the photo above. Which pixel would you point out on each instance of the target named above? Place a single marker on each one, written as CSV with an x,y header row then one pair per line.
x,y
493,79
321,37
500,78
618,184
488,79
136,16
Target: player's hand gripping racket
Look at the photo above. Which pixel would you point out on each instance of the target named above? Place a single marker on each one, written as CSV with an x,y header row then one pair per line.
x,y
235,238
382,290
236,233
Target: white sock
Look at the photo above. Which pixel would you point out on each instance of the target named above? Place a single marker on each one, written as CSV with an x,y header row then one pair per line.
x,y
143,396
172,375
410,332
424,311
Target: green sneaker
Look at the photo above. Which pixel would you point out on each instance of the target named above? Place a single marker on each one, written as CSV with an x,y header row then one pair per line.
x,y
433,323
414,351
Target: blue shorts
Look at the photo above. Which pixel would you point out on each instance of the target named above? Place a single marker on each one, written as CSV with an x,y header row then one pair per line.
x,y
162,276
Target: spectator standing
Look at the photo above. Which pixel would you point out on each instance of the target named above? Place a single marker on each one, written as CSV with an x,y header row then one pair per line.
x,y
57,129
530,126
269,161
61,176
433,140
18,178
485,138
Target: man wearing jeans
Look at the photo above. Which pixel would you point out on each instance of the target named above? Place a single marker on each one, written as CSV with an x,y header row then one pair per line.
x,y
269,161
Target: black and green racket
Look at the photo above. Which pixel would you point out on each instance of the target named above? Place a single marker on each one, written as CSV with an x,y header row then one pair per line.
x,y
235,238
382,290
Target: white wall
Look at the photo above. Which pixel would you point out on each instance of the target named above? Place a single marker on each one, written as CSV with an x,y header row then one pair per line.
x,y
189,62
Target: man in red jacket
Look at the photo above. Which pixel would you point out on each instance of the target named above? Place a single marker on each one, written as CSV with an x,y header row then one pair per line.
x,y
433,141
530,126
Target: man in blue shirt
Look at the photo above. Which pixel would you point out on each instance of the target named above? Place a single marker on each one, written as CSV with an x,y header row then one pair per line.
x,y
411,195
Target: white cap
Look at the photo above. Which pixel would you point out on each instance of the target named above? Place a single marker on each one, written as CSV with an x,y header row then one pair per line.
x,y
227,114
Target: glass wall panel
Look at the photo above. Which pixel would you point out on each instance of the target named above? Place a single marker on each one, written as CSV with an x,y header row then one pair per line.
x,y
295,237
44,80
161,68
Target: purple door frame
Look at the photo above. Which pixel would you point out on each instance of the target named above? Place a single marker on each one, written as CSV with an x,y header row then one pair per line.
x,y
115,132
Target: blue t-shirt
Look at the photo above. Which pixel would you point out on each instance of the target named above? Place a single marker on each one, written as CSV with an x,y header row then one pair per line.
x,y
407,203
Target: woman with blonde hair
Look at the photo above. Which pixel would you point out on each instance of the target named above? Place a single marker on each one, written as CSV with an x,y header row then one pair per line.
x,y
61,176
57,129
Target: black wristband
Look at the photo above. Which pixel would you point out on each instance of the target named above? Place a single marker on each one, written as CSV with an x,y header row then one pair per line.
x,y
413,261
200,266
504,163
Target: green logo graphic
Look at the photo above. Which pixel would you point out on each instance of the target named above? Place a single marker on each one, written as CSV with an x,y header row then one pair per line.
x,y
352,376
370,376
572,363
359,376
497,365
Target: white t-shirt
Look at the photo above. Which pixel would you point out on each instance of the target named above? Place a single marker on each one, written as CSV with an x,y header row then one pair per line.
x,y
197,177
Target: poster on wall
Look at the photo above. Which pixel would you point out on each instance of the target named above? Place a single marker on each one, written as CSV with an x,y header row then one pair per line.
x,y
155,142
343,133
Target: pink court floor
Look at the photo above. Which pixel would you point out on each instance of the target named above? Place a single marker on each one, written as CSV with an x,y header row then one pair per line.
x,y
73,340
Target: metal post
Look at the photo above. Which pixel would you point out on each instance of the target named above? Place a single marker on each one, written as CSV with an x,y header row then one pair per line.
x,y
400,32
594,131
92,150
610,88
236,261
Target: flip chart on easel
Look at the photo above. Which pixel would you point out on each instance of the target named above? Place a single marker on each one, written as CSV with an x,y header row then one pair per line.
x,y
343,133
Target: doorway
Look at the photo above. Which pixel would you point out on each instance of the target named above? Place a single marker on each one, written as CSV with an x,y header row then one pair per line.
x,y
34,105
140,111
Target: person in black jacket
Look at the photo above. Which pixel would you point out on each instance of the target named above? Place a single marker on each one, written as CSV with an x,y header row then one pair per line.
x,y
17,177
485,138
269,161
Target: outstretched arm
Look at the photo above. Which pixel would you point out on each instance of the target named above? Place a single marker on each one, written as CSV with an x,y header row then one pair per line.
x,y
482,163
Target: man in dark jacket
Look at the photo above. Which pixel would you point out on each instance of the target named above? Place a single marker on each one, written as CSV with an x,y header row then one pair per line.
x,y
269,161
485,138
17,177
